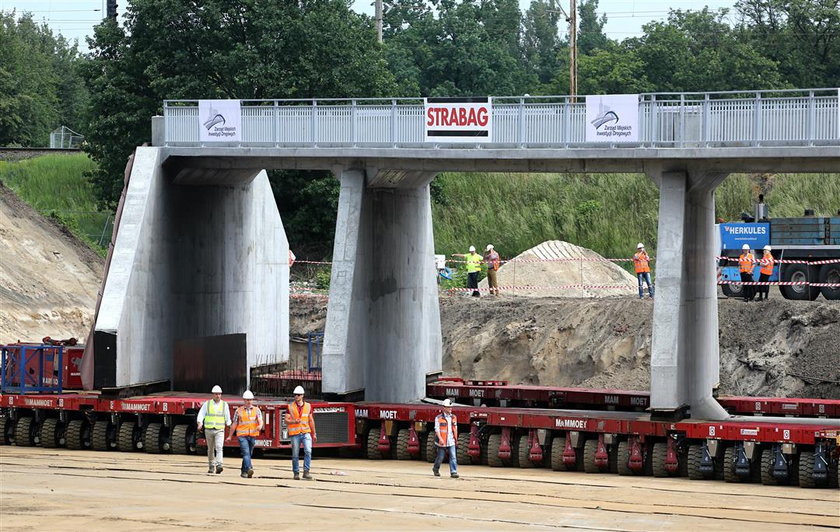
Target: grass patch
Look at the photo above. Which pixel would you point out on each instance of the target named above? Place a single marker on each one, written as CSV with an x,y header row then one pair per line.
x,y
55,186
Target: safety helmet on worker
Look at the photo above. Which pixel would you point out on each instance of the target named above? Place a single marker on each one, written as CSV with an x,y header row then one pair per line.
x,y
298,390
745,246
447,403
640,245
489,247
472,249
248,395
768,248
216,389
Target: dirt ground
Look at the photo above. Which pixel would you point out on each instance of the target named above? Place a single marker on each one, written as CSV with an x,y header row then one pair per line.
x,y
86,490
48,280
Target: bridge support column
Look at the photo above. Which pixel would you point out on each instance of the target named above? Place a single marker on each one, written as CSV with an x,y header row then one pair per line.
x,y
383,332
685,357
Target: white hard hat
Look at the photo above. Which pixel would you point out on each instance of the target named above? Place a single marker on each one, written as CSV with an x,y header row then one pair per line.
x,y
745,246
472,249
299,391
247,395
447,402
489,247
640,245
768,248
216,389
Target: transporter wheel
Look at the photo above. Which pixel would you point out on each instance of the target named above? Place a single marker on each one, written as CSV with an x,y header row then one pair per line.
x,y
156,439
25,432
103,436
402,445
127,440
729,473
695,456
77,435
52,433
558,445
798,273
6,430
589,450
373,445
493,445
462,450
830,273
522,452
624,458
431,448
732,290
806,470
766,467
658,456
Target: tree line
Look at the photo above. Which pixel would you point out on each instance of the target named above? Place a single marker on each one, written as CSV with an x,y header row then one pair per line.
x,y
249,49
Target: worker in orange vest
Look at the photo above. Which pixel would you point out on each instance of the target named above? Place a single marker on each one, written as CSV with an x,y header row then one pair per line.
x,y
247,424
765,272
446,439
300,422
641,262
494,262
746,264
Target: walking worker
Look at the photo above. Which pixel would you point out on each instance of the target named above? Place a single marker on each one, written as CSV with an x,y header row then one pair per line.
x,y
493,263
746,264
213,417
473,261
446,438
247,424
641,262
301,424
765,272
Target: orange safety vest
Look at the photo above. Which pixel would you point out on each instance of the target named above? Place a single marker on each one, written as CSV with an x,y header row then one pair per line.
x,y
298,413
640,261
493,260
746,262
247,421
767,264
443,429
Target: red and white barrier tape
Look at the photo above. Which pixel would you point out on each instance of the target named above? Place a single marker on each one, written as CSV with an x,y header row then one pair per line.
x,y
531,288
782,283
786,261
604,259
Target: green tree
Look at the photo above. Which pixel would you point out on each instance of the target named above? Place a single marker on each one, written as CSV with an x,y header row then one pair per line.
x,y
543,48
591,35
615,71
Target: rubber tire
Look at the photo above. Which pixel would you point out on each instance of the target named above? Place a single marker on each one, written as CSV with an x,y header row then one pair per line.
x,y
125,437
523,452
493,444
558,445
623,457
51,433
729,474
74,436
589,450
183,439
734,293
155,439
830,273
373,445
462,449
694,458
25,432
805,293
99,440
806,470
431,448
766,467
402,445
5,432
657,459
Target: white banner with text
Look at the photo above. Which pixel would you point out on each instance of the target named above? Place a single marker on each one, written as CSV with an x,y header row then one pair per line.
x,y
612,118
219,121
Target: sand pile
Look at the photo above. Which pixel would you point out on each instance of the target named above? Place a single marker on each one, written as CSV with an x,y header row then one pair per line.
x,y
557,268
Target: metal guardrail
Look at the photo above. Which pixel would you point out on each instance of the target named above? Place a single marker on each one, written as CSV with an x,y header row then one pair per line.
x,y
682,120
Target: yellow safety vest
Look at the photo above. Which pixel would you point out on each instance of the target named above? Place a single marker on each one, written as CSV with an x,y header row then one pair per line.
x,y
215,416
474,262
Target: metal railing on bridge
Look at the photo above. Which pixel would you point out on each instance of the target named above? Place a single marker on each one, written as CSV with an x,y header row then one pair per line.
x,y
808,117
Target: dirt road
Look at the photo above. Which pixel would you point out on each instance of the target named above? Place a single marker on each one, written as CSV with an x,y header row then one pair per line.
x,y
44,489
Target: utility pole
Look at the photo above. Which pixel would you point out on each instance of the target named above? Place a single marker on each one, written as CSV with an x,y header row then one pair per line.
x,y
573,50
378,16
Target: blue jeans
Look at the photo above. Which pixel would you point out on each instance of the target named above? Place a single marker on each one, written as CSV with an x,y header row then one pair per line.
x,y
645,276
306,438
246,447
453,458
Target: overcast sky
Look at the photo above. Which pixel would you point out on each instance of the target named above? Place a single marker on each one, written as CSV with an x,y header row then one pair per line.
x,y
75,18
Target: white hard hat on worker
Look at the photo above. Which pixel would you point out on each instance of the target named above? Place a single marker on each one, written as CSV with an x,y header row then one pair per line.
x,y
248,395
472,249
745,247
298,391
640,245
216,389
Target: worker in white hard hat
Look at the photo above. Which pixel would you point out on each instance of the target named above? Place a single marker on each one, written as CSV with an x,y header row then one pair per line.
x,y
446,439
766,262
494,262
473,261
746,265
247,424
213,417
641,263
300,422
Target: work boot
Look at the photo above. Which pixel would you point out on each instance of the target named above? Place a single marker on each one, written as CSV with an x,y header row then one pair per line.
x,y
211,469
219,469
244,475
250,473
436,471
307,476
297,476
454,475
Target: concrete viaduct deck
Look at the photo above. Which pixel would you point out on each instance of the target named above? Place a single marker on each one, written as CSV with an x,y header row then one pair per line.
x,y
383,335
